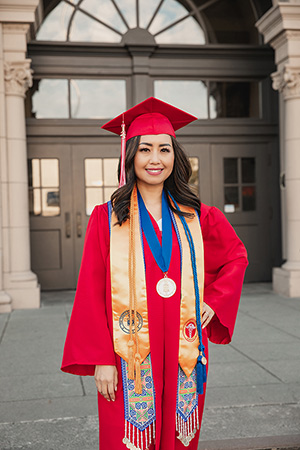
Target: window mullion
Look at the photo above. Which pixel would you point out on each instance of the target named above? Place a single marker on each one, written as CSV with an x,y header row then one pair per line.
x,y
137,14
208,97
120,14
100,21
70,21
190,14
155,14
207,4
69,98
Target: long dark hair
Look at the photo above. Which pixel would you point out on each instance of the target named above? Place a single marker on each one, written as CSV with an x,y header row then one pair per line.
x,y
176,183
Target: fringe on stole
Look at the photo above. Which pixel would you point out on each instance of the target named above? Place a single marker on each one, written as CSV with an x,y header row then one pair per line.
x,y
187,428
136,439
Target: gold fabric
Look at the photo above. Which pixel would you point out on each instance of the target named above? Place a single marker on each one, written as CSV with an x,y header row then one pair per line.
x,y
119,269
188,348
120,286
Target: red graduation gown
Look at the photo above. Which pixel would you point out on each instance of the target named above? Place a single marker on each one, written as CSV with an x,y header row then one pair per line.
x,y
89,339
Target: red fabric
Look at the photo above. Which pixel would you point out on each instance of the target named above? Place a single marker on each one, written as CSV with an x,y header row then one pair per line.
x,y
152,116
225,260
152,123
89,337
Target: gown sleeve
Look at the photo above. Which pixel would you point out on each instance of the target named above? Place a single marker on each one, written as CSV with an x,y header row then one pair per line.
x,y
89,341
225,260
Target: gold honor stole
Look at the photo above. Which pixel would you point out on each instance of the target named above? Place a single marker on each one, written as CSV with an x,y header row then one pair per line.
x,y
121,286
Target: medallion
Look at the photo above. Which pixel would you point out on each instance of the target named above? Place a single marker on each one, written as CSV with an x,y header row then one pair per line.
x,y
166,287
203,359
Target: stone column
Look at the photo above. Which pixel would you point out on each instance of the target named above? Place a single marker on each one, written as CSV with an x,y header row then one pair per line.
x,y
281,28
286,280
140,54
5,300
19,282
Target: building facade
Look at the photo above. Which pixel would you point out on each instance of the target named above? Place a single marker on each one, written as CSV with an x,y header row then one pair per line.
x,y
68,66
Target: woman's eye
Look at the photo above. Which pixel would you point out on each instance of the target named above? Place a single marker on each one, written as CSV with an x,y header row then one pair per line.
x,y
167,150
144,149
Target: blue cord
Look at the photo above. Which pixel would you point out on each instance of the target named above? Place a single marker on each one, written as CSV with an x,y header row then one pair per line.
x,y
201,369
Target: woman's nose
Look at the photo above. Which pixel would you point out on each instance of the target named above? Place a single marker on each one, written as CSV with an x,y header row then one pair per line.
x,y
155,159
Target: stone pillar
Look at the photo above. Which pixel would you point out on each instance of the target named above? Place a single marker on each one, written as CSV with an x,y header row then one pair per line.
x,y
281,28
140,54
5,299
19,282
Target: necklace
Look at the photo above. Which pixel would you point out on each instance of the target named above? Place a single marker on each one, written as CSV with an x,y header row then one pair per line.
x,y
165,287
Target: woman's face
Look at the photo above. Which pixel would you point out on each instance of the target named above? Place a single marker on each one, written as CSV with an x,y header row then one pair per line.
x,y
154,159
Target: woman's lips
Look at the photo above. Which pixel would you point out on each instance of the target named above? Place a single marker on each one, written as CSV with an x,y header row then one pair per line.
x,y
154,171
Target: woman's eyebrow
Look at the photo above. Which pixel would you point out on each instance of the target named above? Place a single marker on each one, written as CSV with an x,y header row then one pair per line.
x,y
145,143
151,145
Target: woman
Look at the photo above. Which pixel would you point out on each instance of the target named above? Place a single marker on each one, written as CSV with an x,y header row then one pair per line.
x,y
144,308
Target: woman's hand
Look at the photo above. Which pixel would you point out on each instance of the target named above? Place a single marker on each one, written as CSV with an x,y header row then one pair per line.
x,y
207,315
106,379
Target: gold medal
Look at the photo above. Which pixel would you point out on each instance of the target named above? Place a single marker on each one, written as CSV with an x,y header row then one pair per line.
x,y
203,359
166,287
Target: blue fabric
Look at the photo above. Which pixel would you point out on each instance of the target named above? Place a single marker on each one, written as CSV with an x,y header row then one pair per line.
x,y
200,367
109,208
161,253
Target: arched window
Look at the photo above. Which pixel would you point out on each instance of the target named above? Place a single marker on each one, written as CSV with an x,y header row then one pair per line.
x,y
183,69
166,21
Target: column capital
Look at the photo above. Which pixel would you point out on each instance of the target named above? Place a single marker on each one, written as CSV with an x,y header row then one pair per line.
x,y
18,11
282,16
287,81
18,77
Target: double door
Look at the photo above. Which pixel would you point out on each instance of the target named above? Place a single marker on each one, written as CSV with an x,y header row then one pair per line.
x,y
67,181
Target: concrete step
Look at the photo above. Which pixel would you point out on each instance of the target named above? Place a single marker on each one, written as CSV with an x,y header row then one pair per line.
x,y
260,443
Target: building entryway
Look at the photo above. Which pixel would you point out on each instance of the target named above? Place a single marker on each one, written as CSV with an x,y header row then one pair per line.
x,y
66,181
90,64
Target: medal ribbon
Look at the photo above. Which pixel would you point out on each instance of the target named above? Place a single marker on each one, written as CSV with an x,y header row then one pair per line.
x,y
161,253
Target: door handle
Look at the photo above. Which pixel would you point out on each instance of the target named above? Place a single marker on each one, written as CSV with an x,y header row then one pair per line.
x,y
78,224
68,224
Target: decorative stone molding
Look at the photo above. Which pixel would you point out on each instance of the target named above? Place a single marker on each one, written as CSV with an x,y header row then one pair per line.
x,y
18,11
18,77
287,81
283,16
284,39
13,28
293,34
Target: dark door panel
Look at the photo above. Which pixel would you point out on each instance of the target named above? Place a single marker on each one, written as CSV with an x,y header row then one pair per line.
x,y
240,190
51,229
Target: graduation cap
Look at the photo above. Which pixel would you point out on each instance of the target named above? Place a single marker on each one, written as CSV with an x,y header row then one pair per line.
x,y
152,116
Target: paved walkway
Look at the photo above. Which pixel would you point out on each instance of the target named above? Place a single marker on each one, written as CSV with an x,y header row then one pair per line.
x,y
253,399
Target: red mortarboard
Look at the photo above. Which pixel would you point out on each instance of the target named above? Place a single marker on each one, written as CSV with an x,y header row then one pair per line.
x,y
152,116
